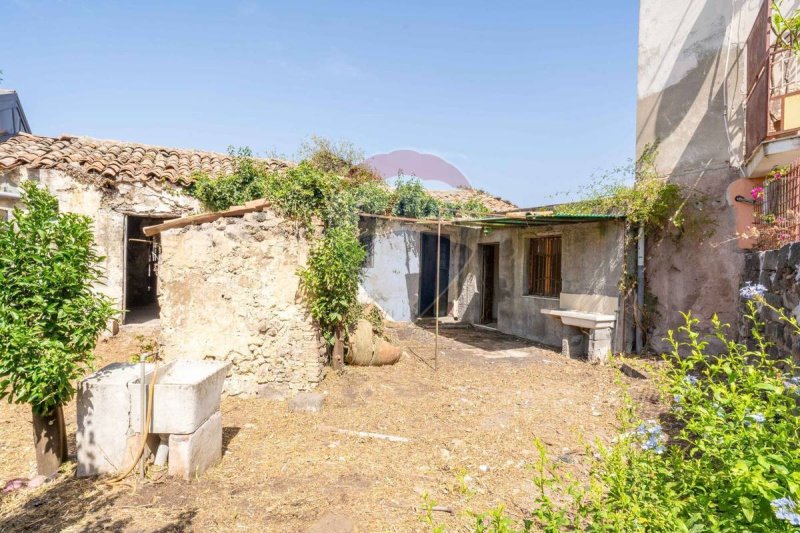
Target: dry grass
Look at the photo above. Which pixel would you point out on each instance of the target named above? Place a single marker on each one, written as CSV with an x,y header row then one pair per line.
x,y
472,425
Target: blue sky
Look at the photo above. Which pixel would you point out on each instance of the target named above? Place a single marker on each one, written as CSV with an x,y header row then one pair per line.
x,y
526,98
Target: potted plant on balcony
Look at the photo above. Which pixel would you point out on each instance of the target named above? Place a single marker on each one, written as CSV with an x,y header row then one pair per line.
x,y
50,315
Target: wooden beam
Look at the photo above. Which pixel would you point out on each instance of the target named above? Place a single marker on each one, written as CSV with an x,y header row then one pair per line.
x,y
235,211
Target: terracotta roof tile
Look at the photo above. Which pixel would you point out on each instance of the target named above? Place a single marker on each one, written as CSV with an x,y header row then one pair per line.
x,y
115,160
494,203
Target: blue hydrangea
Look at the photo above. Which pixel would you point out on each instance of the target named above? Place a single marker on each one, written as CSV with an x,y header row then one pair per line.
x,y
786,509
792,383
690,380
653,444
655,436
750,291
755,417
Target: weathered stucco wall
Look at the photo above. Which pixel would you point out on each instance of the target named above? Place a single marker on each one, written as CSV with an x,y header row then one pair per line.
x,y
107,208
691,87
592,263
391,279
229,290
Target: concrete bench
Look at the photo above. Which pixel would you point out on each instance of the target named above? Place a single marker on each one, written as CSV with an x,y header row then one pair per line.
x,y
594,313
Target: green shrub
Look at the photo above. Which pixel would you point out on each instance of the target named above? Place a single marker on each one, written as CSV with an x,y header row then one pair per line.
x,y
331,277
50,316
247,182
302,192
413,201
727,460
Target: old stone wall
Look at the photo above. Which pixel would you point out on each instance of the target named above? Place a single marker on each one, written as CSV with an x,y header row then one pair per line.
x,y
779,272
107,208
229,290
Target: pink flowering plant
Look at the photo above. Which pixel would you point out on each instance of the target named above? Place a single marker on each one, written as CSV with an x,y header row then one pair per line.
x,y
724,458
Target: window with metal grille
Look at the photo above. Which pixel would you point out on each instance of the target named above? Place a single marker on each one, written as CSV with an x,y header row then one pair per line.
x,y
544,267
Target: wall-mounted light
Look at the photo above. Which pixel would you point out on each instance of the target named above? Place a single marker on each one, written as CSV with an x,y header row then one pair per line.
x,y
741,199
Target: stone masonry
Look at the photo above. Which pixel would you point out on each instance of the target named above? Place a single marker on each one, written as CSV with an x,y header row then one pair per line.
x,y
779,272
230,290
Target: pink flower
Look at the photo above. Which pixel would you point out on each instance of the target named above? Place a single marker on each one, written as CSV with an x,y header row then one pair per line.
x,y
757,192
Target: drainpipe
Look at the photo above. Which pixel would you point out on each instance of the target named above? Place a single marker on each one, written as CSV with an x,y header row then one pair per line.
x,y
640,290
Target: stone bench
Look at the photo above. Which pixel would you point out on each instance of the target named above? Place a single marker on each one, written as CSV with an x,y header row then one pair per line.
x,y
594,313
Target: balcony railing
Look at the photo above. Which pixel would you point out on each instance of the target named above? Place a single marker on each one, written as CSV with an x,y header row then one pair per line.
x,y
777,209
773,86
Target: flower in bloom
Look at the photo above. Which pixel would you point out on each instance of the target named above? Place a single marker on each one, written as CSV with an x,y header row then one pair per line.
x,y
757,192
758,418
750,291
792,384
653,444
655,437
690,380
786,509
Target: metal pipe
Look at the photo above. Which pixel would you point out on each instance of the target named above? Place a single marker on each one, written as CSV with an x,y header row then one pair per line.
x,y
8,195
143,402
640,290
436,300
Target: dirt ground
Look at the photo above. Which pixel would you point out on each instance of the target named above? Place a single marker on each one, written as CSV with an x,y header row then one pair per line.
x,y
472,423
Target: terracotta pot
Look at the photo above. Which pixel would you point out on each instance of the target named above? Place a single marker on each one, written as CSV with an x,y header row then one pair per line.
x,y
50,440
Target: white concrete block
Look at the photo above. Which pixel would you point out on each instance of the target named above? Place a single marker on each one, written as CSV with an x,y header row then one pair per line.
x,y
103,406
191,455
187,394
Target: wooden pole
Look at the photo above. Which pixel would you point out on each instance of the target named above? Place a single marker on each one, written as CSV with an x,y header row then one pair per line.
x,y
436,300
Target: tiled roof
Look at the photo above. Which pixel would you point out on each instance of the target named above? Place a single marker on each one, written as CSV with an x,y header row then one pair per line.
x,y
494,203
114,161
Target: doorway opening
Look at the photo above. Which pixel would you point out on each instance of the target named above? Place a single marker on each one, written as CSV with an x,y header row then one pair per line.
x,y
490,278
141,270
427,274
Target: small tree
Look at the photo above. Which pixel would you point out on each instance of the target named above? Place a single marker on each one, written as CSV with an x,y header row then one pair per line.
x,y
50,317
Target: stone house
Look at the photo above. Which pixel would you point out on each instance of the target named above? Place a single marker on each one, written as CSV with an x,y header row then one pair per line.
x,y
551,278
123,187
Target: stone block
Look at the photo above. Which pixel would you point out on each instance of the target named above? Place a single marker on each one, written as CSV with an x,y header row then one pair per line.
x,y
271,392
599,345
186,394
308,402
103,405
191,455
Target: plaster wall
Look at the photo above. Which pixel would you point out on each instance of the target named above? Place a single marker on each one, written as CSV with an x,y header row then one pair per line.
x,y
691,91
592,263
107,209
391,279
229,291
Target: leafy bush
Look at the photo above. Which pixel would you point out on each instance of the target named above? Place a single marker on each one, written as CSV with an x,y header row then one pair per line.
x,y
331,278
247,182
413,201
302,192
50,316
650,200
727,460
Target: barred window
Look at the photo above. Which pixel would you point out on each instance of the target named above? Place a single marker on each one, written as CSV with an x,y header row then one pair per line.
x,y
544,267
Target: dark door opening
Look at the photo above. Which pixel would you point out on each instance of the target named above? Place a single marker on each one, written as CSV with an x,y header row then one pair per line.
x,y
427,274
141,270
490,276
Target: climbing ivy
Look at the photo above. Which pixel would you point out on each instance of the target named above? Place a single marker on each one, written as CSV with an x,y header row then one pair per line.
x,y
650,200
